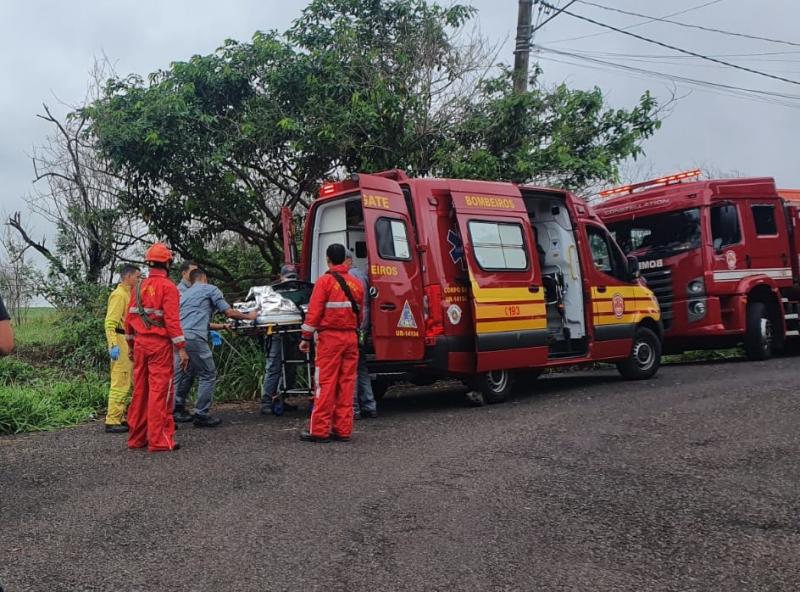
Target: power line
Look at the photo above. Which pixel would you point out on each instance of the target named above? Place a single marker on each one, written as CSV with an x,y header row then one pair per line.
x,y
678,13
690,25
783,99
552,16
681,50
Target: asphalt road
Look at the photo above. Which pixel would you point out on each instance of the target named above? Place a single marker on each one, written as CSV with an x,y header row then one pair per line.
x,y
690,481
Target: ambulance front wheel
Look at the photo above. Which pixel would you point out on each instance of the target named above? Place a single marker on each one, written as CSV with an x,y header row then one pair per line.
x,y
645,356
493,386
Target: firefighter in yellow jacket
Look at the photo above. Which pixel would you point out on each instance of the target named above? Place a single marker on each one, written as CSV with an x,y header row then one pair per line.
x,y
121,365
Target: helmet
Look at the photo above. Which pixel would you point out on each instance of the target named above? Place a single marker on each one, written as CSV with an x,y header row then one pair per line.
x,y
158,253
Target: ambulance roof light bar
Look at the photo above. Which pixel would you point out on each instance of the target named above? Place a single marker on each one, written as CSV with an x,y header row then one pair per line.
x,y
661,181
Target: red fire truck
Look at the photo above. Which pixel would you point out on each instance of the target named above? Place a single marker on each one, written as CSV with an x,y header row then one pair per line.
x,y
721,256
485,281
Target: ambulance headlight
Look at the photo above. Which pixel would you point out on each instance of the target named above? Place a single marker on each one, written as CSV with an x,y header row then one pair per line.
x,y
696,287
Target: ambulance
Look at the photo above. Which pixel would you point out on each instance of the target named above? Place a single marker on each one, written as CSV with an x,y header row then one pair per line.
x,y
484,281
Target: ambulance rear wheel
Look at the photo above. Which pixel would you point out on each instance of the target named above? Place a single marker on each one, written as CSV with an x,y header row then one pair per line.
x,y
645,356
760,337
494,386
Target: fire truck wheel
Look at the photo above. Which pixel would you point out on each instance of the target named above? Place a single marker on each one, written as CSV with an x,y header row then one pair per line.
x,y
495,386
760,337
645,356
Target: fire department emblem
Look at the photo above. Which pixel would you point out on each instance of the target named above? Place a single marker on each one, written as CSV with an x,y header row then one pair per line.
x,y
454,314
407,320
730,259
618,305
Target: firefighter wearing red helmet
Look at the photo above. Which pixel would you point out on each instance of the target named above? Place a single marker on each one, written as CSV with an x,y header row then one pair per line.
x,y
333,314
153,330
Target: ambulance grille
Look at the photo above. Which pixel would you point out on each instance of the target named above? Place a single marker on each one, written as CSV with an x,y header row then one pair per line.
x,y
660,282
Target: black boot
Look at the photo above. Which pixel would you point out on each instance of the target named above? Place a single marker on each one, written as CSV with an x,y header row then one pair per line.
x,y
206,421
308,437
116,428
180,415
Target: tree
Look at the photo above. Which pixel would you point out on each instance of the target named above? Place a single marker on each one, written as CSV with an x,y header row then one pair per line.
x,y
18,276
76,192
563,137
220,143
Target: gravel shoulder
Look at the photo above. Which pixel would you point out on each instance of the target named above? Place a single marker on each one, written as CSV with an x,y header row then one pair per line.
x,y
690,481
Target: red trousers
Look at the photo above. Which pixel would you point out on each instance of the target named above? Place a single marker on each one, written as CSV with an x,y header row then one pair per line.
x,y
150,414
335,370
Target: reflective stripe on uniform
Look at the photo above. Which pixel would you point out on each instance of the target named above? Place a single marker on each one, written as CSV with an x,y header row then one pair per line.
x,y
153,311
338,305
129,337
307,328
178,339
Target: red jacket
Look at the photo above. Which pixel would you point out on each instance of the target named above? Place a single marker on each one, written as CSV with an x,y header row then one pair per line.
x,y
161,303
329,307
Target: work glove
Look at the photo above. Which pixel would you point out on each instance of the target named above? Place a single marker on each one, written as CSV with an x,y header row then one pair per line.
x,y
216,339
113,353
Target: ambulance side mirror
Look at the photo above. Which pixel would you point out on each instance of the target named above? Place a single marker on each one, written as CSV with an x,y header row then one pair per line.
x,y
633,267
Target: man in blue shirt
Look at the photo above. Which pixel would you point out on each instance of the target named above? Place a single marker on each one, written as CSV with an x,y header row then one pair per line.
x,y
364,404
186,269
198,303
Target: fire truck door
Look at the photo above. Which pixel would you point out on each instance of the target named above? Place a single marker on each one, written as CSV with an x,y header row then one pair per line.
x,y
506,292
395,282
769,250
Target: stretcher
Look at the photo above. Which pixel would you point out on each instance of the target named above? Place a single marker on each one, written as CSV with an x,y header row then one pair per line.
x,y
279,318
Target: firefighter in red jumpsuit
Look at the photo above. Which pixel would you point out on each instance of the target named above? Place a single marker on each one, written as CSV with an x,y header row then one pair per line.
x,y
333,315
153,330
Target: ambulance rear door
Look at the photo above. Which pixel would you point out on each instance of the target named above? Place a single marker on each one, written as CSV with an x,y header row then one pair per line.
x,y
507,296
394,272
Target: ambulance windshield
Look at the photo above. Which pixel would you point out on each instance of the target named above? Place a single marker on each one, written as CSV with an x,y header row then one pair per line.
x,y
661,235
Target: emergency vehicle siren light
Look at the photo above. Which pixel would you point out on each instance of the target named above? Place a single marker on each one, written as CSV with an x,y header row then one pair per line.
x,y
327,189
668,180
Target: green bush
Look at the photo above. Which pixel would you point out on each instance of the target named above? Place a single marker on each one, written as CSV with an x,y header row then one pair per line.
x,y
34,399
240,368
15,371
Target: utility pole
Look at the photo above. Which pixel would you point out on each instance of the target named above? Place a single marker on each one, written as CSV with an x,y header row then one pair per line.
x,y
522,50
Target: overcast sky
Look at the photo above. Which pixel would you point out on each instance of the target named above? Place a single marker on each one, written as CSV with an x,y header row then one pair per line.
x,y
47,49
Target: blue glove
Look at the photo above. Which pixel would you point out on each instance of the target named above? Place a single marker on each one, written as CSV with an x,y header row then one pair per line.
x,y
113,353
216,339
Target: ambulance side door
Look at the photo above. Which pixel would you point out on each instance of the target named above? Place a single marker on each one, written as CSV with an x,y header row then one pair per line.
x,y
394,272
507,296
613,296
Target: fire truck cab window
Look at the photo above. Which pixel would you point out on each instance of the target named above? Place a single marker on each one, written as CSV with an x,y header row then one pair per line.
x,y
725,225
392,239
498,246
764,218
660,235
605,255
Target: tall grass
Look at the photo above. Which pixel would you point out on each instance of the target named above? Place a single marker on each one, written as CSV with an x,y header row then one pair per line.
x,y
36,399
